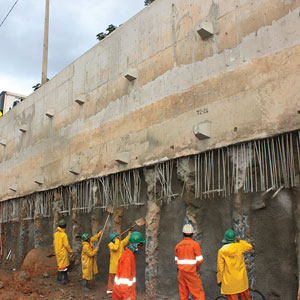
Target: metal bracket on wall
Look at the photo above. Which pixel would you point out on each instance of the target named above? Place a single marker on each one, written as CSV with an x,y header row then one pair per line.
x,y
39,180
75,169
131,74
50,113
80,99
202,130
23,128
205,29
123,158
13,188
3,142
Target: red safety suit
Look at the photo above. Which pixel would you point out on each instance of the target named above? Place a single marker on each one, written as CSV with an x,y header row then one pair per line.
x,y
188,258
125,279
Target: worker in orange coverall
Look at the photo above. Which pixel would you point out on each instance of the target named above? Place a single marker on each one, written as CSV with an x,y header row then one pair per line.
x,y
116,249
125,279
61,249
188,258
232,272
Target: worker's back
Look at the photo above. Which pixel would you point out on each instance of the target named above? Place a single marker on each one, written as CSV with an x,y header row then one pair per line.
x,y
116,250
187,255
61,248
232,270
58,242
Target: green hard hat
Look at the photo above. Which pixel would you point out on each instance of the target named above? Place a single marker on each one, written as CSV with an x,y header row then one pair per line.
x,y
112,236
62,222
136,238
86,236
229,237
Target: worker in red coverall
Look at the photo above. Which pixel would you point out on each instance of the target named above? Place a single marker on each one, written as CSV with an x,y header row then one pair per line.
x,y
188,258
125,279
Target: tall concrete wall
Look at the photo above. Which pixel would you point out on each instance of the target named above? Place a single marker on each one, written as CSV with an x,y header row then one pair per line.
x,y
242,80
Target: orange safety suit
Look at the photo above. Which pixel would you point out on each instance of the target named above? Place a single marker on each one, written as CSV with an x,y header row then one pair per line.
x,y
116,249
61,249
232,272
188,258
125,279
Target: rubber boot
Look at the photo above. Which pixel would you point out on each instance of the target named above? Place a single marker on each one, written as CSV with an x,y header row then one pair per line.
x,y
66,277
59,277
85,285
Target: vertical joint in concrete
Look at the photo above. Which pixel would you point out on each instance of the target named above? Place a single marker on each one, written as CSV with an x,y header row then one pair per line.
x,y
23,236
118,215
76,228
38,230
186,173
152,229
242,229
296,192
96,213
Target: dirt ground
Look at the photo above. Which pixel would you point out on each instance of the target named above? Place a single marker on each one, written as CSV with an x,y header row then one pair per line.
x,y
18,285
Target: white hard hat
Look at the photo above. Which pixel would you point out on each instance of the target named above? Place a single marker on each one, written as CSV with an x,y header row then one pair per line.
x,y
188,229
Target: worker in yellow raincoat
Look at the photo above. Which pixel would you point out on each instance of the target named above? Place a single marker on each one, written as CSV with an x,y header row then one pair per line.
x,y
116,248
232,272
88,259
61,249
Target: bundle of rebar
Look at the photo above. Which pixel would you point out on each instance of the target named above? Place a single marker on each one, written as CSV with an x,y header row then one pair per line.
x,y
262,165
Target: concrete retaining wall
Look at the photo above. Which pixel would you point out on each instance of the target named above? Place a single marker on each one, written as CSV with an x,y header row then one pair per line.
x,y
242,81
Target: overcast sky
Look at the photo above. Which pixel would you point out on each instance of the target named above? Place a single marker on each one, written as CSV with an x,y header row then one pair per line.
x,y
73,28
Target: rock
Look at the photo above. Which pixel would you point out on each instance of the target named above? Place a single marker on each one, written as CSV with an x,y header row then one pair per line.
x,y
39,261
46,275
22,275
1,285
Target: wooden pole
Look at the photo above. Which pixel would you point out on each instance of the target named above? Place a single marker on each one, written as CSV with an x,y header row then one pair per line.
x,y
45,48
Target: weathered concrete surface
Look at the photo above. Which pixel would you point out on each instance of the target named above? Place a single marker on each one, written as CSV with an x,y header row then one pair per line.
x,y
275,247
152,230
296,194
244,77
272,231
172,217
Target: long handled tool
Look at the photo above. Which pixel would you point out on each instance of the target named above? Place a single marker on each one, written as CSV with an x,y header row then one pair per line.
x,y
138,222
110,210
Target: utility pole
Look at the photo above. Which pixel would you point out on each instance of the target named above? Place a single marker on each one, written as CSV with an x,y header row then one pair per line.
x,y
45,48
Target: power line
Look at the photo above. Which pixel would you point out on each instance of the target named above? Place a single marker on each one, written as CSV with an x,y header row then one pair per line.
x,y
8,13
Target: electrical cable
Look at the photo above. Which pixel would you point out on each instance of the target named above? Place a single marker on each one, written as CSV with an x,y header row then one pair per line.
x,y
9,13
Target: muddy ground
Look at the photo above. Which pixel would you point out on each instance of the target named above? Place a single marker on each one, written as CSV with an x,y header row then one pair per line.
x,y
18,285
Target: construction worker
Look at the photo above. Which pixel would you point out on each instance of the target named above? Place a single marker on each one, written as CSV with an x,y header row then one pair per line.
x,y
88,259
125,279
232,273
116,248
61,249
188,258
